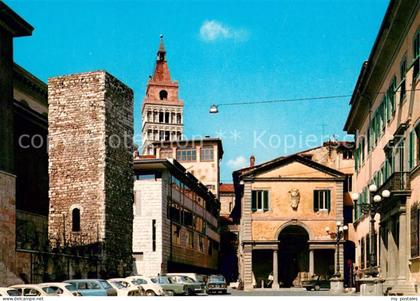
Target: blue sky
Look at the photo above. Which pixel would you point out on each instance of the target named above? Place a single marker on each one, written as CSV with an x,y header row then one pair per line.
x,y
220,52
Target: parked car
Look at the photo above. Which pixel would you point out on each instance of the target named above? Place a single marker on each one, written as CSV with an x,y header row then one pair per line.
x,y
93,287
123,287
59,289
195,276
171,289
8,291
29,290
316,283
192,287
150,288
216,284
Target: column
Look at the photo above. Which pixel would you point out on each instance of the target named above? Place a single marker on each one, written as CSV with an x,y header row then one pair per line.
x,y
247,268
402,250
311,263
275,270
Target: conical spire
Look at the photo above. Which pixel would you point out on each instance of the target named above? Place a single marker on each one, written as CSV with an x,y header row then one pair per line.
x,y
161,69
161,52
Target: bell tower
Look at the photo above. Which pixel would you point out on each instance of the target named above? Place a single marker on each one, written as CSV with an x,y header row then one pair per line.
x,y
162,112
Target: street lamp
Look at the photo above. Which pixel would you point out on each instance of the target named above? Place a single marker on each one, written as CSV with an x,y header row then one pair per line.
x,y
214,109
338,235
371,208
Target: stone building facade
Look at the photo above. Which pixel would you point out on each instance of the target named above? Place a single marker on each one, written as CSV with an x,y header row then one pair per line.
x,y
90,169
385,119
175,220
201,157
287,210
162,111
23,157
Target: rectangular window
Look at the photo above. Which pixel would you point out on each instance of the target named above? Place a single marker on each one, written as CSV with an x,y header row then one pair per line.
x,y
416,54
403,71
186,154
260,200
362,253
391,96
411,150
154,235
322,200
206,154
414,230
417,130
191,239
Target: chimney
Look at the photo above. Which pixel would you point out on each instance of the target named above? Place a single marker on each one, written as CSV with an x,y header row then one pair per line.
x,y
251,161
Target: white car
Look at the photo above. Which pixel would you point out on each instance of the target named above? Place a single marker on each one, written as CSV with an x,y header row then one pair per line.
x,y
59,289
124,288
31,290
150,288
8,291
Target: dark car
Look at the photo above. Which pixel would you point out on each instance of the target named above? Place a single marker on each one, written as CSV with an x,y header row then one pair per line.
x,y
316,283
216,284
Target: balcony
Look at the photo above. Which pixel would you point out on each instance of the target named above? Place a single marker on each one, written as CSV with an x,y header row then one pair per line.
x,y
398,183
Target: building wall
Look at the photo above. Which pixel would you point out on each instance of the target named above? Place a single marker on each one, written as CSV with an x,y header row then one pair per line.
x,y
265,225
227,201
90,167
408,110
8,271
208,172
148,200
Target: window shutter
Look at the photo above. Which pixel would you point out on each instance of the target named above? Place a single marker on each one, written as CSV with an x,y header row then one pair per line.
x,y
414,223
362,253
328,199
265,198
254,201
411,151
316,200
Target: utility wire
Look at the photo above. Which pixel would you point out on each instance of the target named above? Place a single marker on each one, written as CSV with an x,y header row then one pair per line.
x,y
295,99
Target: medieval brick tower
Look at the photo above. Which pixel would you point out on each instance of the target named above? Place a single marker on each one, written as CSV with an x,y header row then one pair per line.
x,y
90,167
162,111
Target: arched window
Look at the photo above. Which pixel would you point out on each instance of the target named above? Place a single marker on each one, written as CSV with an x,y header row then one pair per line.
x,y
75,219
163,94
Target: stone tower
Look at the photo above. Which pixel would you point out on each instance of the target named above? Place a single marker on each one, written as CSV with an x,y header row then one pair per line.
x,y
90,125
162,111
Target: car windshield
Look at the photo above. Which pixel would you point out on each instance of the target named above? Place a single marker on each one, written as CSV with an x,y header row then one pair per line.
x,y
217,278
200,278
118,284
161,280
105,284
71,287
188,279
13,293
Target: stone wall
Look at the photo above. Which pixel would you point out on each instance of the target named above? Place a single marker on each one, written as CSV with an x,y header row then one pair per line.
x,y
7,230
90,165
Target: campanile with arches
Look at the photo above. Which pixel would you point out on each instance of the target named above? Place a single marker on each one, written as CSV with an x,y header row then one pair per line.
x,y
162,111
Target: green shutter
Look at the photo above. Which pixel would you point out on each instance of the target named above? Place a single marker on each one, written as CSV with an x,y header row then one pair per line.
x,y
265,198
411,150
254,201
328,199
316,201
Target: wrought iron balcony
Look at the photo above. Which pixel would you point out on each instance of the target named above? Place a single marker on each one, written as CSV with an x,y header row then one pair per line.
x,y
397,183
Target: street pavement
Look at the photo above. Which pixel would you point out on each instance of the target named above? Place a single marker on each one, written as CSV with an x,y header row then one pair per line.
x,y
284,292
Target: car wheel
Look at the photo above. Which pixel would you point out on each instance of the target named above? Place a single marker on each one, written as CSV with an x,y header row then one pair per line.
x,y
317,287
308,288
150,293
170,293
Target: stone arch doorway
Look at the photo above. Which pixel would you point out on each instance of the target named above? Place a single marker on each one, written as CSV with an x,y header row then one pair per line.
x,y
293,255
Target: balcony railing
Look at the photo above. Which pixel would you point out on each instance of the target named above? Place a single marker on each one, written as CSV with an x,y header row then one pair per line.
x,y
398,182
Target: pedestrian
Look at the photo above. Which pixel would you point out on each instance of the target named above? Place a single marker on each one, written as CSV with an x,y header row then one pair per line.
x,y
270,279
358,274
